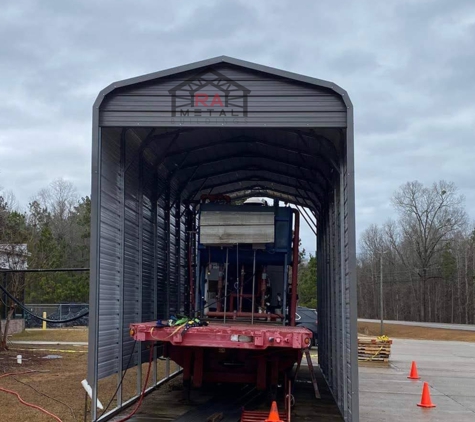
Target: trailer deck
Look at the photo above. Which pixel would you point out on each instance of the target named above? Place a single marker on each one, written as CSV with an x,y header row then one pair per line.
x,y
232,336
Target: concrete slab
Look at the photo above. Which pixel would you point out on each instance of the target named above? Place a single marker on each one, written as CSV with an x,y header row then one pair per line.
x,y
386,395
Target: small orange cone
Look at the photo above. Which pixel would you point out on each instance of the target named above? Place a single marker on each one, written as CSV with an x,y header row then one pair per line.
x,y
425,400
274,414
414,375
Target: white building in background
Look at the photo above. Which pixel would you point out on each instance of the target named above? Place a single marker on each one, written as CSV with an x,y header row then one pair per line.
x,y
14,256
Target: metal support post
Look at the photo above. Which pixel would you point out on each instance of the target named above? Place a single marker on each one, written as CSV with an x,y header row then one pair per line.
x,y
237,276
284,293
226,284
253,286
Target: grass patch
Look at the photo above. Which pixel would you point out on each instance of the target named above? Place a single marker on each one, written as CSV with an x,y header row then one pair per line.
x,y
52,334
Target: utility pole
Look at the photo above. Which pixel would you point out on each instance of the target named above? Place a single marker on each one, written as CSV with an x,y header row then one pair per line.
x,y
381,294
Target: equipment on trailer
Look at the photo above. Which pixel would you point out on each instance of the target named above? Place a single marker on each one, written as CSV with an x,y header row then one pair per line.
x,y
240,325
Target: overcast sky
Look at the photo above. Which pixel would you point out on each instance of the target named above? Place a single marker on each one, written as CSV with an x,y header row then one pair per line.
x,y
409,67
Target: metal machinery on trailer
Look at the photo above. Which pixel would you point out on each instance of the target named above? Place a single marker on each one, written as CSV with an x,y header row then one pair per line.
x,y
244,257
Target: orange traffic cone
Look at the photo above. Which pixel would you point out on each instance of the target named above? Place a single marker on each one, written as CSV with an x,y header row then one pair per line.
x,y
274,414
425,400
414,375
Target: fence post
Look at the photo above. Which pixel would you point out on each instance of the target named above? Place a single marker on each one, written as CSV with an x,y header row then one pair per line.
x,y
44,322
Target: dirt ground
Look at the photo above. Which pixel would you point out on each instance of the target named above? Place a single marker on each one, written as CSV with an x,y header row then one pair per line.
x,y
57,378
60,380
53,334
56,384
417,333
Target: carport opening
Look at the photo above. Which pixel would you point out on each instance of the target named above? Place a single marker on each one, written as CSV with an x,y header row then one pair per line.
x,y
209,171
180,170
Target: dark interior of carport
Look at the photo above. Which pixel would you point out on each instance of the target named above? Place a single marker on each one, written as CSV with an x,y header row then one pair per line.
x,y
151,163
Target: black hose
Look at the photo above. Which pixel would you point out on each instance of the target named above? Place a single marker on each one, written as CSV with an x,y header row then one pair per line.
x,y
51,321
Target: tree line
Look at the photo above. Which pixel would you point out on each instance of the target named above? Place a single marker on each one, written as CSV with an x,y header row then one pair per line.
x,y
55,228
425,258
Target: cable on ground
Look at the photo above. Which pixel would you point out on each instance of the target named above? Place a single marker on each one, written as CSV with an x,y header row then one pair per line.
x,y
34,406
14,393
49,397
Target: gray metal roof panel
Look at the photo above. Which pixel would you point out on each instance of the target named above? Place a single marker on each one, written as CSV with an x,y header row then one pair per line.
x,y
223,59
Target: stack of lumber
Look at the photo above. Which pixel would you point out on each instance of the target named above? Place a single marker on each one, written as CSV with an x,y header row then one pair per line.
x,y
374,349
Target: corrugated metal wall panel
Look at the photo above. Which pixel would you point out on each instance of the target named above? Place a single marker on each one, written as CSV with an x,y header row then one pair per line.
x,y
183,257
126,253
333,298
148,257
349,271
110,259
272,100
337,353
131,301
161,251
177,253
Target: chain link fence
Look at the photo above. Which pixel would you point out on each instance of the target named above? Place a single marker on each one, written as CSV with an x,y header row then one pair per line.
x,y
59,311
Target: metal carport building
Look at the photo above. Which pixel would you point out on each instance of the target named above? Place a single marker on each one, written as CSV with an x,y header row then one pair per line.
x,y
217,126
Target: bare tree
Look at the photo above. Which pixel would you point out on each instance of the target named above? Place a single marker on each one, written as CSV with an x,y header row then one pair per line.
x,y
429,217
58,200
9,199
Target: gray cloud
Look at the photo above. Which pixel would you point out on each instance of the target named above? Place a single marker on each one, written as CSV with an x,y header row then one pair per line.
x,y
408,66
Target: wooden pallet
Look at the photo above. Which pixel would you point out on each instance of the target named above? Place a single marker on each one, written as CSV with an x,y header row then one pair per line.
x,y
375,354
371,340
372,349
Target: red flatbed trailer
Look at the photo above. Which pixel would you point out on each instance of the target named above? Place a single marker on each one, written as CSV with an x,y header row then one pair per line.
x,y
260,354
232,336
